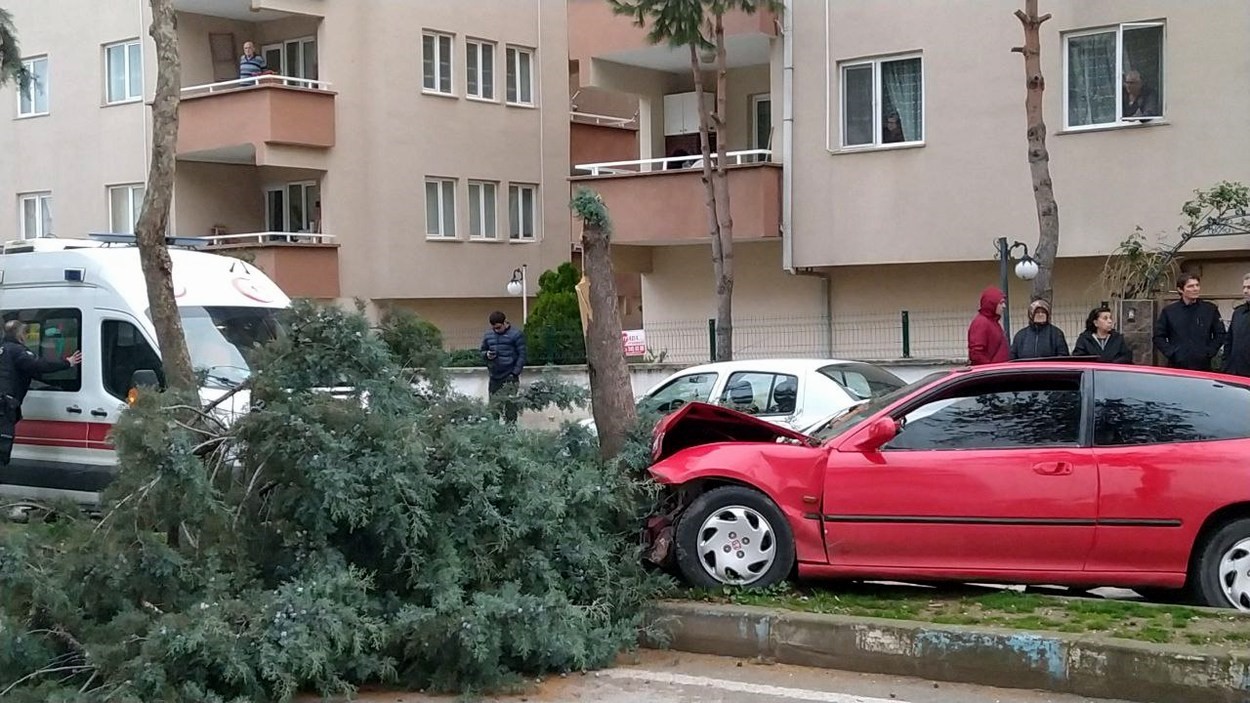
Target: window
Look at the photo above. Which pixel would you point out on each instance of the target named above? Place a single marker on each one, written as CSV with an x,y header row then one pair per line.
x,y
758,393
679,391
479,65
32,98
125,202
52,334
520,76
293,207
482,208
1114,75
36,212
882,102
997,413
761,122
521,200
1137,408
124,350
124,64
436,62
863,380
440,207
296,58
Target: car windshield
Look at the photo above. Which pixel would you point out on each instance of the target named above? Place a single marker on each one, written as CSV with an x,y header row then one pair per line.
x,y
851,418
220,339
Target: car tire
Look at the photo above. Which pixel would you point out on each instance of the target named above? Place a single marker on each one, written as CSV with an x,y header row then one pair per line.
x,y
713,552
1225,555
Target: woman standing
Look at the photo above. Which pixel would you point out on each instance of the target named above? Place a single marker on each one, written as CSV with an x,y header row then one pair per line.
x,y
1100,339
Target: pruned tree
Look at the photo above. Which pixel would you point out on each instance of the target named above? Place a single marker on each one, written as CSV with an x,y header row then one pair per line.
x,y
1039,158
153,222
11,68
698,25
611,395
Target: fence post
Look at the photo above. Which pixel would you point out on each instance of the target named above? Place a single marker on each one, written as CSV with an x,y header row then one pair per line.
x,y
711,338
906,335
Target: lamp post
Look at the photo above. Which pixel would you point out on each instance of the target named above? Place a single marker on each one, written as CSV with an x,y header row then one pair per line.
x,y
1026,270
517,285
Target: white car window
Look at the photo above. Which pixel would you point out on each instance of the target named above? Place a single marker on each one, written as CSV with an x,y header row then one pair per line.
x,y
761,393
681,390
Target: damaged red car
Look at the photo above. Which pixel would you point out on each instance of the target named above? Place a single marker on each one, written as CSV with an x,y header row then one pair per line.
x,y
1065,473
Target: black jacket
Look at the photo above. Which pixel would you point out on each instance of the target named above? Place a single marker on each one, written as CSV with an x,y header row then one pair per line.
x,y
1237,349
1189,336
1116,351
19,366
1039,341
509,348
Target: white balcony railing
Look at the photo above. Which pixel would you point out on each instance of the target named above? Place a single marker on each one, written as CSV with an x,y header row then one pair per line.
x,y
603,120
265,79
693,161
252,238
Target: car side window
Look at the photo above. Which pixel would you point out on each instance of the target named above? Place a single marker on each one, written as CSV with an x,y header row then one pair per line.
x,y
862,380
681,390
1137,408
996,413
124,350
760,393
52,334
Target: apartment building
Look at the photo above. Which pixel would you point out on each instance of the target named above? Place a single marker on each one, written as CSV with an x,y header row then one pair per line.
x,y
895,155
407,153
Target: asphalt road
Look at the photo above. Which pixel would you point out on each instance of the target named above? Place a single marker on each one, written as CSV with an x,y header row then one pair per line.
x,y
670,677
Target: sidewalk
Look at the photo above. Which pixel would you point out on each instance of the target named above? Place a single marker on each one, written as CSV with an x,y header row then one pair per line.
x,y
1087,665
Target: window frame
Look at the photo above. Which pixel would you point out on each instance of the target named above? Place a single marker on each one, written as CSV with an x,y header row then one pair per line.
x,y
478,47
877,103
438,76
43,213
482,208
41,315
513,83
1118,29
755,101
446,189
28,91
106,376
131,95
518,212
134,210
285,189
1101,377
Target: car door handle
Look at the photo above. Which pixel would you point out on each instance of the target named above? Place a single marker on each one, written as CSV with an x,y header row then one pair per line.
x,y
1053,468
74,409
99,412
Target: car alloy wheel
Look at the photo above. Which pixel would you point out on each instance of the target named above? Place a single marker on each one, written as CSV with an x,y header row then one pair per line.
x,y
1234,574
736,545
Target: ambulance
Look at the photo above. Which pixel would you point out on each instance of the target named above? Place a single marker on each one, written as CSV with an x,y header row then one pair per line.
x,y
90,295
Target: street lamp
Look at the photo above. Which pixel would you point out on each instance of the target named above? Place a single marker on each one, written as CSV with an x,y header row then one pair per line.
x,y
517,285
1026,269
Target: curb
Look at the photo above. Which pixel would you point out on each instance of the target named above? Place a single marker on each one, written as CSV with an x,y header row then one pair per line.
x,y
1084,665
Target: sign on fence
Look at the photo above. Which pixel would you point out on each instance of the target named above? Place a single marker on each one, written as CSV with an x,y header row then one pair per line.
x,y
635,342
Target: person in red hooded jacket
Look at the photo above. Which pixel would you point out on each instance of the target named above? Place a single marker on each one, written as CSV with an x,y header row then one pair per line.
x,y
987,341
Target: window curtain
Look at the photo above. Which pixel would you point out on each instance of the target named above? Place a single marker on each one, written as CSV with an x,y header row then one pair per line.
x,y
901,84
1092,83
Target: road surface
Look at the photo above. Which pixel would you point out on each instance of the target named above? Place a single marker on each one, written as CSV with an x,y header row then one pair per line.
x,y
670,677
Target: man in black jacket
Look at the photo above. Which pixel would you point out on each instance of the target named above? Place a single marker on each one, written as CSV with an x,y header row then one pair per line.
x,y
1237,349
18,367
503,346
1189,332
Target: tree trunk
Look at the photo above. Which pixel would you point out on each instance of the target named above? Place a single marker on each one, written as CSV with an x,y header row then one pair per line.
x,y
725,277
154,217
611,394
1039,158
724,319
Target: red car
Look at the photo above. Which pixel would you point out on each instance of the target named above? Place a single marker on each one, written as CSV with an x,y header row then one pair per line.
x,y
1069,473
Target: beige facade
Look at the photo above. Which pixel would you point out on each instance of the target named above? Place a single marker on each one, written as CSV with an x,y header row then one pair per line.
x,y
326,172
910,223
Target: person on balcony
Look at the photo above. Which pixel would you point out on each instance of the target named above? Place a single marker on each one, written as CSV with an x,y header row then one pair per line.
x,y
251,64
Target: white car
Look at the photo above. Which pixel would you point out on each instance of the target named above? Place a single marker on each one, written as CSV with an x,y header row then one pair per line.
x,y
793,393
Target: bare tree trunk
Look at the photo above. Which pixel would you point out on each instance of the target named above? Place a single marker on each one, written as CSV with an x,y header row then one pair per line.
x,y
611,394
154,217
1039,158
724,320
724,277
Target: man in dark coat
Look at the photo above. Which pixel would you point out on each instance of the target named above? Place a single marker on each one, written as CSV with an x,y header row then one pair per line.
x,y
1039,339
1189,332
1237,349
987,341
503,346
18,367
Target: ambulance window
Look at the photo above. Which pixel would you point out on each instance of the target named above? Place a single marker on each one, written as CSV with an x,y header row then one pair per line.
x,y
52,334
124,351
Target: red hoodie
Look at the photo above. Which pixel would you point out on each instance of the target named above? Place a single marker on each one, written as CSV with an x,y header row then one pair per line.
x,y
987,342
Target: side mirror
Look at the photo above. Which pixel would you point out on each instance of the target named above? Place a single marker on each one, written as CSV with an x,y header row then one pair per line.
x,y
142,379
878,434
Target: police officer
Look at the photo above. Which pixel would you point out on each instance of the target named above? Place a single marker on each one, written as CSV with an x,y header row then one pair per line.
x,y
18,366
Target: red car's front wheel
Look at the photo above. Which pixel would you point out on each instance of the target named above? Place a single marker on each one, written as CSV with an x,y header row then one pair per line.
x,y
734,536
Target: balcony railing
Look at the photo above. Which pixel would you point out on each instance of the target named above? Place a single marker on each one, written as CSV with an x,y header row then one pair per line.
x,y
264,79
603,120
668,163
303,264
266,238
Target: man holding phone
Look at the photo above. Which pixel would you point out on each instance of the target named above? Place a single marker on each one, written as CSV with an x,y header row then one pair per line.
x,y
503,347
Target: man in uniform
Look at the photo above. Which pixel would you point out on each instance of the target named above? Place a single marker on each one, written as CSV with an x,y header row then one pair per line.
x,y
18,366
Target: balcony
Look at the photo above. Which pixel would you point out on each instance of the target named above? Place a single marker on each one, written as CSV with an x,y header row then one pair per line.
x,y
662,201
304,265
252,10
270,120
